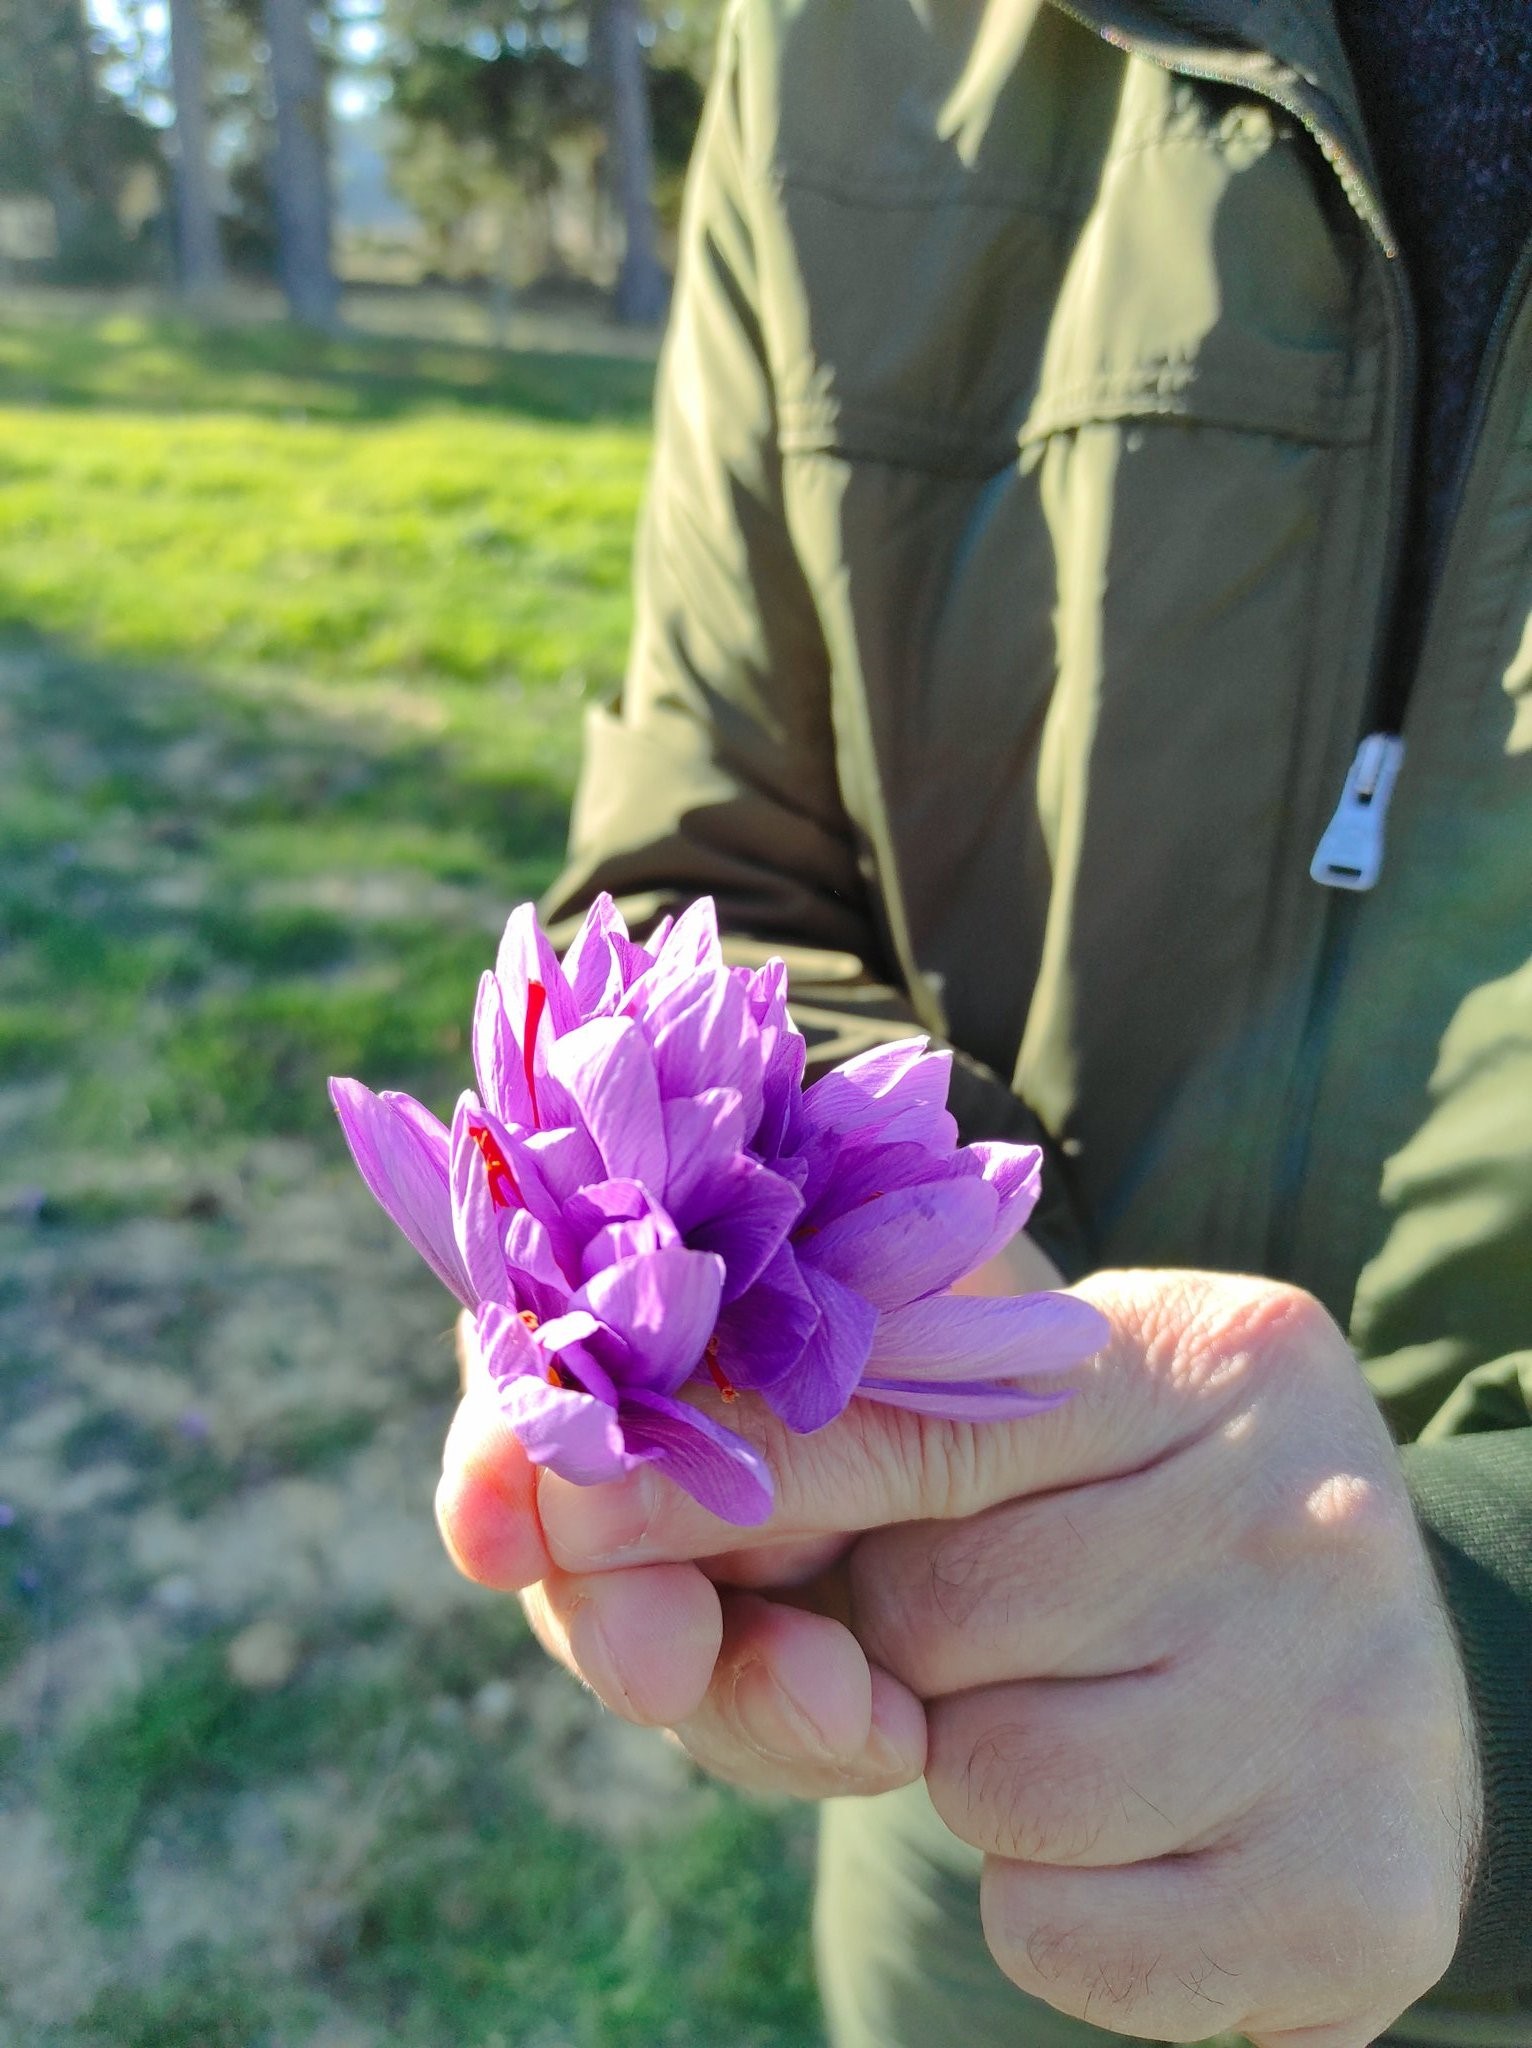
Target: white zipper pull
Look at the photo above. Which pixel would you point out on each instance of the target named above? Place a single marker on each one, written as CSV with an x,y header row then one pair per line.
x,y
1350,855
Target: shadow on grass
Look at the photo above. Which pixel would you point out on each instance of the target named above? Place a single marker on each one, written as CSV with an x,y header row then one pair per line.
x,y
271,370
210,901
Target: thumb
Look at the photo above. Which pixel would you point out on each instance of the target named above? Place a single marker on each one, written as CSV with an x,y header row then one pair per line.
x,y
1141,1396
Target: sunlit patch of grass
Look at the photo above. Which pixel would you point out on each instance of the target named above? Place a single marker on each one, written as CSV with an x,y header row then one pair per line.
x,y
238,539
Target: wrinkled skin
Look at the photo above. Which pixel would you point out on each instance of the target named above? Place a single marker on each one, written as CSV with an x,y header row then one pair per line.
x,y
1172,1656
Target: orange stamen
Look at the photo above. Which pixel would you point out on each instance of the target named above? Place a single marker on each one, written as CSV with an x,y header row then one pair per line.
x,y
715,1371
556,1378
526,1316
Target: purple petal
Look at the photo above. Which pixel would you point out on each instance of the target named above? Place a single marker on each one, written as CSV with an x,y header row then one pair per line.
x,y
702,1133
573,1434
970,1403
611,1201
620,1241
1015,1172
744,1215
705,1037
570,1341
525,957
766,988
784,1055
497,1057
616,1219
663,1305
608,1071
478,1224
506,1346
907,1243
539,1008
897,1090
864,1168
511,1352
763,1334
576,1326
593,965
537,1278
566,1161
966,1337
691,944
430,1129
827,1374
722,1472
403,1157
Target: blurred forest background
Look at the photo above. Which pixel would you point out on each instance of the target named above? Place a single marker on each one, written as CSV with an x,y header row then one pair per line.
x,y
327,339
491,144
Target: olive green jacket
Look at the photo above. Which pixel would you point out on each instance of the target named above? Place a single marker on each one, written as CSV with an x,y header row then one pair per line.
x,y
1014,589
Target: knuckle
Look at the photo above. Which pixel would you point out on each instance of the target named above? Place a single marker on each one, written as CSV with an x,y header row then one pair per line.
x,y
922,1586
961,1571
1260,1318
998,1794
1072,1968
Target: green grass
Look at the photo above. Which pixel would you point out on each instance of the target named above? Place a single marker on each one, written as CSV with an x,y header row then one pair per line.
x,y
289,663
363,509
295,638
461,1917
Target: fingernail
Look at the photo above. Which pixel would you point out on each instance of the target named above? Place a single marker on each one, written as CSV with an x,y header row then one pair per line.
x,y
589,1527
896,1743
772,1721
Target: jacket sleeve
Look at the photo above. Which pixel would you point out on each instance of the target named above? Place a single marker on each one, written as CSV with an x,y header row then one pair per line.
x,y
716,772
1470,1478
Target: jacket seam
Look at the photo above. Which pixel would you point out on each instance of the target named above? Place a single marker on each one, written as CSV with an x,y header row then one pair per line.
x,y
958,188
807,426
955,189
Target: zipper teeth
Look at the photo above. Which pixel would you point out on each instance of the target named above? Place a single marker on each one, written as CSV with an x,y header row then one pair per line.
x,y
1478,405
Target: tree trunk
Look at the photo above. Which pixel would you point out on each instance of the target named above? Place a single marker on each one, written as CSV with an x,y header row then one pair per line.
x,y
300,166
199,256
643,290
40,30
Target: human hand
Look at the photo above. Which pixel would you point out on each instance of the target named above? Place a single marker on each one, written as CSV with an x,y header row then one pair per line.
x,y
1188,1681
772,1696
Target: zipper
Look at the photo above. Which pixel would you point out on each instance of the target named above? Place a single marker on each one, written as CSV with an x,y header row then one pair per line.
x,y
1478,406
1350,854
1302,1100
1283,1237
1355,832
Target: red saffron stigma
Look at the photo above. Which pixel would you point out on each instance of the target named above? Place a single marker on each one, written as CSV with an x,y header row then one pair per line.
x,y
501,1177
537,998
715,1371
555,1377
526,1316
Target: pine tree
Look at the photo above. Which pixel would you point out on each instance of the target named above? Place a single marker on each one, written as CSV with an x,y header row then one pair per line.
x,y
300,170
643,290
199,255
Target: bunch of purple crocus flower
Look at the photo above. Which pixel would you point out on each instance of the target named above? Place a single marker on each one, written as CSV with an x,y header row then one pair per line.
x,y
643,1195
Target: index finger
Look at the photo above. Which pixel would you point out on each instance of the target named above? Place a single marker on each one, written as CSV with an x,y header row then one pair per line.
x,y
1168,1373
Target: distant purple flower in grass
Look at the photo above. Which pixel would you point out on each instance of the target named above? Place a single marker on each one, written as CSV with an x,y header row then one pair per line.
x,y
642,1194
